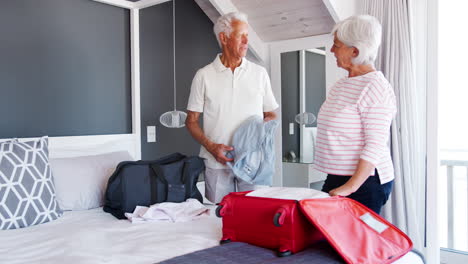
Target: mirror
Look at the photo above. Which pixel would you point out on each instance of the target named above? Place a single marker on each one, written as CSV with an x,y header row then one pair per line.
x,y
303,89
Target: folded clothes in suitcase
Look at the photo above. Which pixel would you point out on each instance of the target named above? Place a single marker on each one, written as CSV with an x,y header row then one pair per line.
x,y
289,226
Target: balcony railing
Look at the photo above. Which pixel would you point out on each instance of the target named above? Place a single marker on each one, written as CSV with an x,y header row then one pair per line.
x,y
457,201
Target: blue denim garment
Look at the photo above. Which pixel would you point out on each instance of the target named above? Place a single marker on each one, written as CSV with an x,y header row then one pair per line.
x,y
254,151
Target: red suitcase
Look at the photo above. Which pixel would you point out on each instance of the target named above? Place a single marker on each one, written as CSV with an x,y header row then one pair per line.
x,y
266,222
357,233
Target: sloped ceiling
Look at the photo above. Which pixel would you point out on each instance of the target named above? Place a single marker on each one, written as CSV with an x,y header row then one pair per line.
x,y
275,20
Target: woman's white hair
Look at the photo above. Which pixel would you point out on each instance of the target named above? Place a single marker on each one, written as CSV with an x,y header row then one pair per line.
x,y
224,23
363,32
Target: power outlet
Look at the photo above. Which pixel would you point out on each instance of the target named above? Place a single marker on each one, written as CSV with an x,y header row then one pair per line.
x,y
151,134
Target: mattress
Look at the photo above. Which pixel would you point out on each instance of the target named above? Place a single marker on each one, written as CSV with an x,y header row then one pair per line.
x,y
94,236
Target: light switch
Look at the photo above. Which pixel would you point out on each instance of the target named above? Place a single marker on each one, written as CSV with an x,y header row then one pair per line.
x,y
151,133
291,128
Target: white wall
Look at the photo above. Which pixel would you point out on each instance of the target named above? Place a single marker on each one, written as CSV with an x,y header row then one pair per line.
x,y
341,9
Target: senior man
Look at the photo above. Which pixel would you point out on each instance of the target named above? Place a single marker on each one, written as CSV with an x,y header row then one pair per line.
x,y
227,91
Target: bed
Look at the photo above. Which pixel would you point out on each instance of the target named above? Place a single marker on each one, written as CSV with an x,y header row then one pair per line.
x,y
85,233
93,236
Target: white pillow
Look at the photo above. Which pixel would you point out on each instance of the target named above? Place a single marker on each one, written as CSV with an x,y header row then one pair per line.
x,y
81,182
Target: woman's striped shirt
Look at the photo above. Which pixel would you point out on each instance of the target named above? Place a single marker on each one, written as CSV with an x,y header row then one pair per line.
x,y
354,123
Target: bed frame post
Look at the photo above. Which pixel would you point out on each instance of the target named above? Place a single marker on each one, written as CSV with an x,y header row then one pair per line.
x,y
135,58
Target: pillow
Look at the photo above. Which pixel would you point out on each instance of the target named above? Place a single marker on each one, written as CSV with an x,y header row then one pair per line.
x,y
81,181
27,192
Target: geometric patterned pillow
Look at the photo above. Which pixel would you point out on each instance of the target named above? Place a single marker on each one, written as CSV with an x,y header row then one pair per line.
x,y
27,192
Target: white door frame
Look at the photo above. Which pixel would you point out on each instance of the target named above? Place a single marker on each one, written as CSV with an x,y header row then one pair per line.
x,y
432,246
276,48
434,253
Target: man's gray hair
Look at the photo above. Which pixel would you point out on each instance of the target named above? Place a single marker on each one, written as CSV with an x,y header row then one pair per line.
x,y
363,32
224,23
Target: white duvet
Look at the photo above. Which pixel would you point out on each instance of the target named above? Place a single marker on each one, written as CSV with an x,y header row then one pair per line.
x,y
94,236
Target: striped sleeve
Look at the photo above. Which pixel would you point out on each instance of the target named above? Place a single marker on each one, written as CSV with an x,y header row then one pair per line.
x,y
377,108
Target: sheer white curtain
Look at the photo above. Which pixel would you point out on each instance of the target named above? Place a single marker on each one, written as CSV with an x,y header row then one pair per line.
x,y
397,60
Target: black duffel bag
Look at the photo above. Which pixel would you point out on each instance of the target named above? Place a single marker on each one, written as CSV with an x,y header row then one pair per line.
x,y
172,178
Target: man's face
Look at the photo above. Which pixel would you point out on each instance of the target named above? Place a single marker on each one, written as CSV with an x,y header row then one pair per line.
x,y
238,42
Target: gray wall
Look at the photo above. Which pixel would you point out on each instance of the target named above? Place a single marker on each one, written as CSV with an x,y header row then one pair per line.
x,y
315,82
196,46
290,100
64,68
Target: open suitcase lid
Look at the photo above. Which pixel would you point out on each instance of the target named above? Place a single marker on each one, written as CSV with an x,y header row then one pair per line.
x,y
358,234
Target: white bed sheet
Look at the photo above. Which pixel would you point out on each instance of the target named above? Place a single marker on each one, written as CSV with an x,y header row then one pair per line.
x,y
94,236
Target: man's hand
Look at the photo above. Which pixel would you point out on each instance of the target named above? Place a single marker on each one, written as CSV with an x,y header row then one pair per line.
x,y
267,116
218,150
343,190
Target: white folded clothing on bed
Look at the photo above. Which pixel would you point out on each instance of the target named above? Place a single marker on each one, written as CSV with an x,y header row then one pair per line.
x,y
288,193
175,212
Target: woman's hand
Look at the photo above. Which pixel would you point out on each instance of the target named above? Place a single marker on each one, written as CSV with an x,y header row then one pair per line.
x,y
343,190
363,170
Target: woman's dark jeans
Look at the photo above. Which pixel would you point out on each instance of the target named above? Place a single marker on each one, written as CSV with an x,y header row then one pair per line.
x,y
371,194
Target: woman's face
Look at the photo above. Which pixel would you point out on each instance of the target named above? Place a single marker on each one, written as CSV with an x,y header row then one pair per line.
x,y
343,53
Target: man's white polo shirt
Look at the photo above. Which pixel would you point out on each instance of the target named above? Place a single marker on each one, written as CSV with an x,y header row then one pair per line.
x,y
227,99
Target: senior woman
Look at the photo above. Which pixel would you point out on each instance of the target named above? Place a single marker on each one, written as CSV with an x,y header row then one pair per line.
x,y
354,122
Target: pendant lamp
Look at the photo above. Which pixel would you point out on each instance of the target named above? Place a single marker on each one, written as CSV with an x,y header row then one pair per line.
x,y
175,118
